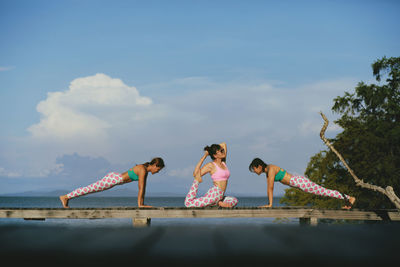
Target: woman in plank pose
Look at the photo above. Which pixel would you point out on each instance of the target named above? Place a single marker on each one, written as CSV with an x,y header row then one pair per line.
x,y
277,174
220,175
138,173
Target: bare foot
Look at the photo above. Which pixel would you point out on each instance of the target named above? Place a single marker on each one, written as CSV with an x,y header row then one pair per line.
x,y
349,203
64,200
224,205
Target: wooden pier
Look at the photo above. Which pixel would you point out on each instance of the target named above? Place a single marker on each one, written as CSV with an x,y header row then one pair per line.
x,y
344,245
142,216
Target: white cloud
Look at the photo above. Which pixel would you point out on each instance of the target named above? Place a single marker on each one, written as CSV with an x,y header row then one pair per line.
x,y
88,108
7,173
183,172
6,68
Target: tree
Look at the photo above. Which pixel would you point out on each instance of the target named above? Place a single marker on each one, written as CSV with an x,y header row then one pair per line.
x,y
369,142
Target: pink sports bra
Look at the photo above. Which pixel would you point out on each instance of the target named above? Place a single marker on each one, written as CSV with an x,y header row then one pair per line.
x,y
220,174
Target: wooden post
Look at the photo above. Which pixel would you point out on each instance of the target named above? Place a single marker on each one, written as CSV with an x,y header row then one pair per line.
x,y
141,222
313,221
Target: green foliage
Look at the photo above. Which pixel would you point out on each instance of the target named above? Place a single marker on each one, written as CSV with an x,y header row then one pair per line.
x,y
370,143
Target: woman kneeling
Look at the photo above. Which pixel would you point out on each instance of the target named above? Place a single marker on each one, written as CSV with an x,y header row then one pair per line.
x,y
220,175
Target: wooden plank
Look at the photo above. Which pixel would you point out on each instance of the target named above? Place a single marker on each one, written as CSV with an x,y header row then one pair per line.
x,y
150,213
141,222
356,215
309,221
178,212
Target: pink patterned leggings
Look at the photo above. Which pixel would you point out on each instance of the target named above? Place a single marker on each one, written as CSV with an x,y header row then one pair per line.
x,y
107,182
309,186
211,198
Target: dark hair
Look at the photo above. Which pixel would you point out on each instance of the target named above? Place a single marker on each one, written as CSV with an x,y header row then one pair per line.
x,y
158,161
257,162
212,150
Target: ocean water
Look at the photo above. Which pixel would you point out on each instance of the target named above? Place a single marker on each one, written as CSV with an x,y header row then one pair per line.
x,y
102,202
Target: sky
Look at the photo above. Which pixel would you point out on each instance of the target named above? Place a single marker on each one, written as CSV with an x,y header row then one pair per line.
x,y
89,87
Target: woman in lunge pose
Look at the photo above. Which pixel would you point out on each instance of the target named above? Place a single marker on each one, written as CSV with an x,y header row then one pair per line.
x,y
138,173
220,175
277,174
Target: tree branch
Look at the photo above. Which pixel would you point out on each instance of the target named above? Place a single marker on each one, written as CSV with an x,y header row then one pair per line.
x,y
388,191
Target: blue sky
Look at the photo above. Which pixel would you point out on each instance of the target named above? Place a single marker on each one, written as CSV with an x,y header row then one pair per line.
x,y
88,87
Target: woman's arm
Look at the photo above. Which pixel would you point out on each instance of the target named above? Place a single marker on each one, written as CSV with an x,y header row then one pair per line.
x,y
198,166
270,187
198,171
142,188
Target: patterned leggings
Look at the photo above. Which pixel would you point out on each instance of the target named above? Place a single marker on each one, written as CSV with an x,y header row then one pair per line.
x,y
309,186
211,198
107,182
